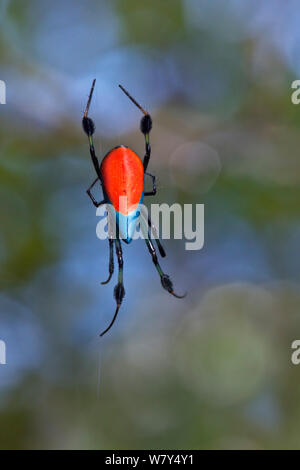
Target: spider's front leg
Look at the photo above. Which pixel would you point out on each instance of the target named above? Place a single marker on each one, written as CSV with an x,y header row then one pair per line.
x,y
89,128
153,192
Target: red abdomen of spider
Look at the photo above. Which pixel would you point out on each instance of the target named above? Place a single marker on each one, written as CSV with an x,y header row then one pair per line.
x,y
123,179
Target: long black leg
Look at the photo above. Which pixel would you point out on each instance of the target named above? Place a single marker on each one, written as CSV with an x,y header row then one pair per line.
x,y
111,261
158,242
165,279
89,128
146,126
152,229
111,248
119,290
153,192
96,203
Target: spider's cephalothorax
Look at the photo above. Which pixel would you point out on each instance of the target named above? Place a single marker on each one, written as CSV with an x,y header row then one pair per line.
x,y
122,173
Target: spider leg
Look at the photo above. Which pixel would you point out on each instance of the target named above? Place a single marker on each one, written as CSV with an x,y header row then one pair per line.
x,y
145,126
154,232
111,261
153,192
89,128
164,278
96,203
119,290
111,238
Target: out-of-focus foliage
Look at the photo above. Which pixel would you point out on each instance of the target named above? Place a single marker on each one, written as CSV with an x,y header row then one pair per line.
x,y
210,371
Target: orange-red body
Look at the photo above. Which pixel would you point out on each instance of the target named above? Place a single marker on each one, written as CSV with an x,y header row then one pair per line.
x,y
123,183
123,175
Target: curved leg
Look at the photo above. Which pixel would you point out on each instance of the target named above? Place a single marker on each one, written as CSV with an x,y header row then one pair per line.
x,y
119,290
153,192
96,203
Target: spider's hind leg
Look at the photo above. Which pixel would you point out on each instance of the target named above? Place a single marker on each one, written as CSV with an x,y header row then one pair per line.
x,y
119,291
164,278
152,229
111,261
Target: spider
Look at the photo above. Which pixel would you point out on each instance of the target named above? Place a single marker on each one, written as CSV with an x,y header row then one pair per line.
x,y
122,174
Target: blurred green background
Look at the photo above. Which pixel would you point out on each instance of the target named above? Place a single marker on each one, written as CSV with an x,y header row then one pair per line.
x,y
213,370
